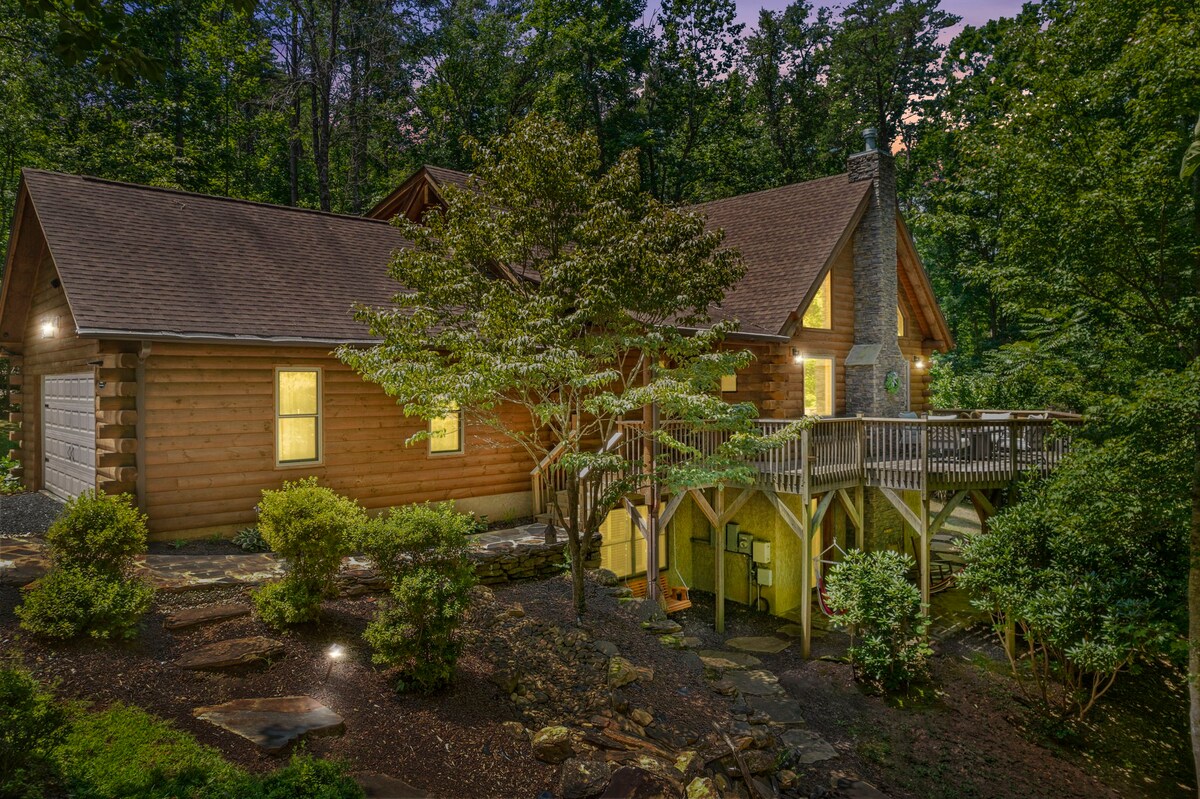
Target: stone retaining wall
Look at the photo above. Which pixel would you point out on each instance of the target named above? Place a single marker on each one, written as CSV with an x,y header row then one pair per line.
x,y
502,564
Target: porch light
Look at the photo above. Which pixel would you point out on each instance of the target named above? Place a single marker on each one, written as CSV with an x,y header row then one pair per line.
x,y
918,362
50,328
797,356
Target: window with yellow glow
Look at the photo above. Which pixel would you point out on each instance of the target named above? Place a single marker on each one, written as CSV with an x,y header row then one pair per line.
x,y
297,415
818,386
623,551
728,383
446,434
899,322
818,314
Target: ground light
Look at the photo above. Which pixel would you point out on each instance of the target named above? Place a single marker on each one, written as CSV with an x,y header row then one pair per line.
x,y
335,653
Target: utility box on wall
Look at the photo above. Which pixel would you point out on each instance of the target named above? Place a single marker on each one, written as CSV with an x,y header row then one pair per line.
x,y
763,577
762,552
731,536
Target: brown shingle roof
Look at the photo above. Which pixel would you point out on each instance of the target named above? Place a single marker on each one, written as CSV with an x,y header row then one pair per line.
x,y
136,259
787,236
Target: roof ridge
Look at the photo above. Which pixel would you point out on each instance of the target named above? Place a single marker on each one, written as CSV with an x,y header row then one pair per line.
x,y
824,179
201,195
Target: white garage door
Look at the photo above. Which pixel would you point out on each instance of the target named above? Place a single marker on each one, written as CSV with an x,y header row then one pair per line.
x,y
69,434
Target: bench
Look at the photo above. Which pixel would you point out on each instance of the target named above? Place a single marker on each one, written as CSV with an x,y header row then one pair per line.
x,y
675,597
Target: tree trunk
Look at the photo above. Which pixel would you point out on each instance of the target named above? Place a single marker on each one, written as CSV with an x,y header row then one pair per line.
x,y
1194,539
294,145
575,545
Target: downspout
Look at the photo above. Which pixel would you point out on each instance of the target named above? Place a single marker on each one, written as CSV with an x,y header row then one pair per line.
x,y
140,427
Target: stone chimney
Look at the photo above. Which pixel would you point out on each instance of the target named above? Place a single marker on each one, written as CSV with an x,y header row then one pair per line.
x,y
875,368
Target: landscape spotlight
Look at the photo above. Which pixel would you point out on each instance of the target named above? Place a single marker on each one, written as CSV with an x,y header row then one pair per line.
x,y
335,653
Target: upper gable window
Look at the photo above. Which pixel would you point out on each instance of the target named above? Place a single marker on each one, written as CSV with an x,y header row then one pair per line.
x,y
297,416
729,383
818,315
899,322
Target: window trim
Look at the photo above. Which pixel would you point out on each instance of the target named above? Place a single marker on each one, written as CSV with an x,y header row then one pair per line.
x,y
902,323
462,437
827,280
319,416
818,356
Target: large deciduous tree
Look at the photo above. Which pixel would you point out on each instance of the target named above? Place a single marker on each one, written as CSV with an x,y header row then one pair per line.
x,y
562,290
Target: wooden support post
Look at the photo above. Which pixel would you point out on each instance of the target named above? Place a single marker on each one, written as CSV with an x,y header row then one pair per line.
x,y
860,532
925,545
719,557
806,579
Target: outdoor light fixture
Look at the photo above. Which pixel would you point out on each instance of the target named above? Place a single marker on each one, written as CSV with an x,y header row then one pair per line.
x,y
918,362
334,654
797,356
50,328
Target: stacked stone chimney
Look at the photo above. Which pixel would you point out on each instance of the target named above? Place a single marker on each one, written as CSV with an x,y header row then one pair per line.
x,y
875,364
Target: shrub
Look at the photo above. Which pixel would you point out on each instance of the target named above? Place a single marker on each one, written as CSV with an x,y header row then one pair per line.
x,y
305,777
9,482
311,527
874,599
91,588
70,601
31,726
423,550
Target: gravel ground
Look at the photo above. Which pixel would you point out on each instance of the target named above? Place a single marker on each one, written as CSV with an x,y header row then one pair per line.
x,y
27,514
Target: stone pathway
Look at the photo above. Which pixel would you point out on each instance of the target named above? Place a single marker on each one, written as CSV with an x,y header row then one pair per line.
x,y
206,614
759,644
231,653
273,723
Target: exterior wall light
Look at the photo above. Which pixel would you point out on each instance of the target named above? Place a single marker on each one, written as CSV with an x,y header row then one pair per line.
x,y
50,328
918,362
797,356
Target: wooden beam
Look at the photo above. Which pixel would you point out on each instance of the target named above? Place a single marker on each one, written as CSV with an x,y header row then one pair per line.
x,y
702,503
982,503
819,514
848,505
946,510
800,528
669,509
719,620
636,517
905,511
860,496
924,558
735,506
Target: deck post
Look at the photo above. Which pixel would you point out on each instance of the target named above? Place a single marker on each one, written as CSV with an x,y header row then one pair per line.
x,y
925,544
860,532
806,577
719,558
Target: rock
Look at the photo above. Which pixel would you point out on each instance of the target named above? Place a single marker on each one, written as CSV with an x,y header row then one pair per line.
x,y
690,765
621,672
641,717
662,627
755,683
190,617
621,592
850,787
380,786
606,648
648,610
690,641
724,687
631,782
514,612
232,652
506,680
807,747
607,578
759,761
780,709
516,731
791,630
582,779
702,788
787,778
738,660
552,744
761,644
275,722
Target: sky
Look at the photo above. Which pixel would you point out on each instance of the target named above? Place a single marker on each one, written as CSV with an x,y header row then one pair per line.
x,y
973,12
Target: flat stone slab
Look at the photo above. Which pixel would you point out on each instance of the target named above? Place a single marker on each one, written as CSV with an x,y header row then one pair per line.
x,y
190,617
791,630
755,683
740,660
809,747
381,786
781,709
233,652
274,722
761,644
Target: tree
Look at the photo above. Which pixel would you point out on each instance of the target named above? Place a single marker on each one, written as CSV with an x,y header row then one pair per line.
x,y
561,290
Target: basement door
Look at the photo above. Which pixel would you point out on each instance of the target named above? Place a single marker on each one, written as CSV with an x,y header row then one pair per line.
x,y
68,434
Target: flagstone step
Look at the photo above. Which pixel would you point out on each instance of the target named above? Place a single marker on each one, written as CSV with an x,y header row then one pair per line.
x,y
232,652
759,644
190,617
273,723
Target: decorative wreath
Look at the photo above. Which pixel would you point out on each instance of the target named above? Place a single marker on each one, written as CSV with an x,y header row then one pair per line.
x,y
891,383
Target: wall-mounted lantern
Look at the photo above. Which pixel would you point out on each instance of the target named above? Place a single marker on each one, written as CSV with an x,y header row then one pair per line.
x,y
50,328
918,362
797,356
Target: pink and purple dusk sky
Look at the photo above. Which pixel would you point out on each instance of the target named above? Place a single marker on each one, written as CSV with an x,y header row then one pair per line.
x,y
973,12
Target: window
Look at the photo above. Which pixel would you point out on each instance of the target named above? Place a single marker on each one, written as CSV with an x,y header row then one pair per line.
x,y
899,322
818,313
297,415
623,551
446,434
818,386
728,383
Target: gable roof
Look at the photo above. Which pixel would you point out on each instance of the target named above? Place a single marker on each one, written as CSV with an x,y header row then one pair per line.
x,y
415,195
146,262
788,237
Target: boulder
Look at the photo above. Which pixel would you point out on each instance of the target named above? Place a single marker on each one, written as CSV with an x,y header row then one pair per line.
x,y
631,782
273,723
759,761
515,731
690,765
231,652
606,648
641,717
552,744
582,779
606,578
621,672
662,627
190,617
702,788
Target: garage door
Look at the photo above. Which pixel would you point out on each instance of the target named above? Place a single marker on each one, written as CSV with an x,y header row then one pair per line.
x,y
69,434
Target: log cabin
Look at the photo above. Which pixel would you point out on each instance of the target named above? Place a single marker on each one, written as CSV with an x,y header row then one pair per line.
x,y
178,347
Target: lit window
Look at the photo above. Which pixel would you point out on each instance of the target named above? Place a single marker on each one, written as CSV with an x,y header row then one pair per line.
x,y
899,322
728,383
818,386
446,433
297,415
623,550
818,313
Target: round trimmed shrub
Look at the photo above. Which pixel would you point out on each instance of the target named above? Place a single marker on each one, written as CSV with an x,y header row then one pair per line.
x,y
104,532
311,527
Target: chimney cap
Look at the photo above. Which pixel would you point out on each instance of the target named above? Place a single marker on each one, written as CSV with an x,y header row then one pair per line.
x,y
870,136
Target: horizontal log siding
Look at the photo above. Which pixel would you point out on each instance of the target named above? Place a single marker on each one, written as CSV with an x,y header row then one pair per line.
x,y
209,445
40,356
